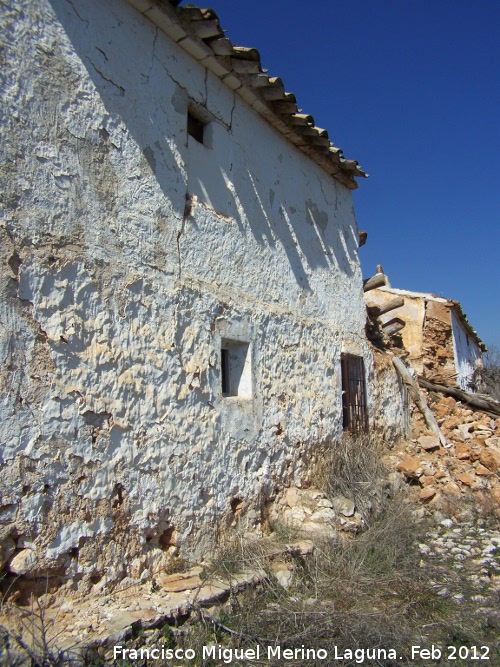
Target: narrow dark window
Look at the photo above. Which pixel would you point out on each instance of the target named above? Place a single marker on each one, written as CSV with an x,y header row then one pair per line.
x,y
195,127
226,385
355,415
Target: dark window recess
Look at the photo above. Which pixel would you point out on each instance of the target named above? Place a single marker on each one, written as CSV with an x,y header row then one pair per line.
x,y
355,415
195,127
226,384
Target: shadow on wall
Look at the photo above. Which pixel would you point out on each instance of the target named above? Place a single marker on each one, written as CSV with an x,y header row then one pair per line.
x,y
119,54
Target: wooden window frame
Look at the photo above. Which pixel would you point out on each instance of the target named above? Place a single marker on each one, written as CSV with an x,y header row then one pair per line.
x,y
354,405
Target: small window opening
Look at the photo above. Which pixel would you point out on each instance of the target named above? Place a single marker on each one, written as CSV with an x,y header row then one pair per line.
x,y
224,354
354,410
195,127
236,368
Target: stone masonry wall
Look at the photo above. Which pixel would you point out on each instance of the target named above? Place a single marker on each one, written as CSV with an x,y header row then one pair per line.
x,y
438,353
128,253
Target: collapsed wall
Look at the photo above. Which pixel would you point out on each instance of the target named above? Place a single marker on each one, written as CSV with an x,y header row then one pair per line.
x,y
175,311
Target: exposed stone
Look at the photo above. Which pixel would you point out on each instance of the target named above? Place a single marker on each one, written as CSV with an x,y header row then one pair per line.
x,y
316,528
23,562
490,458
462,432
298,515
182,581
427,493
325,515
301,548
495,494
429,442
351,526
452,422
344,506
445,406
462,451
281,571
482,470
411,468
452,489
475,453
481,425
7,548
466,479
291,497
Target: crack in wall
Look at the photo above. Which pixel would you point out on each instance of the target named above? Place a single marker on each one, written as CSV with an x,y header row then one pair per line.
x,y
153,55
115,85
204,103
171,77
232,111
75,11
187,212
102,52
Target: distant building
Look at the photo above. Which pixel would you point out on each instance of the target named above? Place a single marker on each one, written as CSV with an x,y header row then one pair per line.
x,y
441,344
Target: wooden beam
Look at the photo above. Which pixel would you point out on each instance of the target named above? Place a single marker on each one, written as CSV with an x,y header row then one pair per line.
x,y
380,309
480,403
375,281
393,326
419,398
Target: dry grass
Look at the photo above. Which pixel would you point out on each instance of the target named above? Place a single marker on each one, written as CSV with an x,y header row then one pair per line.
x,y
363,592
354,469
368,591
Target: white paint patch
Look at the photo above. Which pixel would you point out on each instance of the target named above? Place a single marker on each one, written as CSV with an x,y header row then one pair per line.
x,y
467,353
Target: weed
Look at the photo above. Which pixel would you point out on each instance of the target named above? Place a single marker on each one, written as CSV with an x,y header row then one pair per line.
x,y
168,638
353,468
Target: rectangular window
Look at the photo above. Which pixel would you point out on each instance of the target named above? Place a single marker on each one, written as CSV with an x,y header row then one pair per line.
x,y
236,368
355,415
195,128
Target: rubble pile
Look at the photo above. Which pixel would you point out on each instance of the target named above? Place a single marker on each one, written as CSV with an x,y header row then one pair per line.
x,y
467,468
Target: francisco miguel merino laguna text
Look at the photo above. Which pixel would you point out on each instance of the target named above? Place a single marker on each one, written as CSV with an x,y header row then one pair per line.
x,y
227,655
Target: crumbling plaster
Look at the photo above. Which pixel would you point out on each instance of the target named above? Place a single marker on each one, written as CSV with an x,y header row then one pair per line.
x,y
435,339
467,354
128,251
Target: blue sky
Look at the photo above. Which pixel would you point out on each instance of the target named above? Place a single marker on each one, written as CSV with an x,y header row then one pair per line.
x,y
410,89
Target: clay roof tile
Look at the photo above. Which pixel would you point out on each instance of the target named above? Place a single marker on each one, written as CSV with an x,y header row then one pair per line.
x,y
241,69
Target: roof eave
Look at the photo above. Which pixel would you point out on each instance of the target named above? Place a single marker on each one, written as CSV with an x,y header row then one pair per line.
x,y
199,33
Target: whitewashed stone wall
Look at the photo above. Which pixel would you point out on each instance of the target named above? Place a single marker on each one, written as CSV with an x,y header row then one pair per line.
x,y
128,253
468,356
